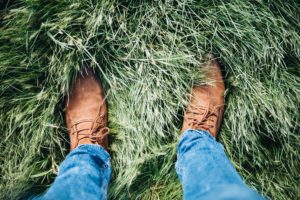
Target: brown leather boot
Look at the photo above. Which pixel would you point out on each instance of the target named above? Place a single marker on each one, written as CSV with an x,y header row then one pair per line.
x,y
86,112
206,107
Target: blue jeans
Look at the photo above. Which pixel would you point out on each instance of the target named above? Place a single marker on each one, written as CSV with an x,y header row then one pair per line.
x,y
202,166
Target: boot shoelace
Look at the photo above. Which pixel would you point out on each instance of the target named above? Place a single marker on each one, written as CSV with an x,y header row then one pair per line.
x,y
97,131
200,123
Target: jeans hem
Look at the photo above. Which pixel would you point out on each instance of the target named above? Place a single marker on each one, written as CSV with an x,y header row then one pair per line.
x,y
93,149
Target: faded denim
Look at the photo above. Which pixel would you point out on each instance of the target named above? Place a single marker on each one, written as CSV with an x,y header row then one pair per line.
x,y
202,166
205,171
84,174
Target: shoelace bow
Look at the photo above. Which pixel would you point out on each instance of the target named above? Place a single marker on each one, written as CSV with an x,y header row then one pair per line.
x,y
97,130
202,122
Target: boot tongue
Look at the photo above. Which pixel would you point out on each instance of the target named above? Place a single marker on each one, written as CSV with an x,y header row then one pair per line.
x,y
82,126
212,120
79,130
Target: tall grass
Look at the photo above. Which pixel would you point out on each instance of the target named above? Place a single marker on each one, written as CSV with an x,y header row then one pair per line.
x,y
148,55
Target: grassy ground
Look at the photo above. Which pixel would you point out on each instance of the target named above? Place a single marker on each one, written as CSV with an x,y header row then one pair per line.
x,y
148,54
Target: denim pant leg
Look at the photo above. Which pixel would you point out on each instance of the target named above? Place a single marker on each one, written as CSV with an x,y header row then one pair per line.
x,y
205,172
84,174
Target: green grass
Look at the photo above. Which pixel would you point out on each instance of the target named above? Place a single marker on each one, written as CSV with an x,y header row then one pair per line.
x,y
149,54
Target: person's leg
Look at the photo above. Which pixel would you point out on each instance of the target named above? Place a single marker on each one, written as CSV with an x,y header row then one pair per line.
x,y
205,171
202,166
84,174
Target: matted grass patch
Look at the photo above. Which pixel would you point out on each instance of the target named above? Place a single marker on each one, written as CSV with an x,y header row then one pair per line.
x,y
148,55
